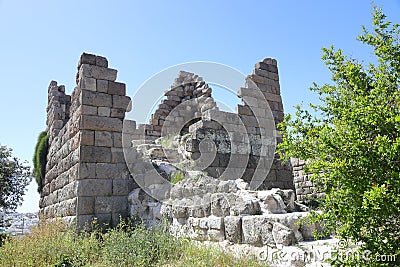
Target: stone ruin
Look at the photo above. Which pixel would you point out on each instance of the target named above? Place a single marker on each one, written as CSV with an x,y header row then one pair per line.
x,y
227,181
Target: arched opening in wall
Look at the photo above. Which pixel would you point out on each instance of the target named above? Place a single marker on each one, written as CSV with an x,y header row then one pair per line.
x,y
185,128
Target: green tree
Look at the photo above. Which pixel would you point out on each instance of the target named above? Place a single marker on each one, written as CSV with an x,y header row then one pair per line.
x,y
351,141
14,177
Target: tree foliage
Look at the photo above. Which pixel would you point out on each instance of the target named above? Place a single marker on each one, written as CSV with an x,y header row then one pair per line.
x,y
351,141
40,159
14,177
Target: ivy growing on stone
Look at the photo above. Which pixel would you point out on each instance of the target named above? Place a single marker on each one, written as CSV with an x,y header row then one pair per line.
x,y
40,159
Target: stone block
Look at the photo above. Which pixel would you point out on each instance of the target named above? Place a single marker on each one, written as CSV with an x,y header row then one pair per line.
x,y
220,205
95,154
250,92
117,139
273,97
84,221
87,138
250,101
101,123
270,61
104,111
298,179
105,170
85,205
233,229
87,83
120,101
122,171
284,175
239,160
266,88
262,80
122,187
102,86
94,187
244,205
263,73
120,204
104,204
179,211
249,121
87,59
103,138
95,99
244,110
68,207
116,88
130,126
283,235
267,67
307,231
203,223
216,235
271,177
257,230
118,113
87,170
272,202
101,61
196,210
97,72
216,223
228,186
68,192
117,155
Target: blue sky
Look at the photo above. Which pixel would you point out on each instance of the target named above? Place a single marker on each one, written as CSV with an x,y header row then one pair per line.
x,y
42,41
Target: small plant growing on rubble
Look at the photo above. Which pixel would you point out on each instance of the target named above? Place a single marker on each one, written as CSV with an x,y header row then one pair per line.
x,y
177,177
169,141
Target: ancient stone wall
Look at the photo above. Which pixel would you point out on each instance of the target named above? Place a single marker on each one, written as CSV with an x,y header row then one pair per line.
x,y
86,175
97,158
189,88
246,140
228,210
306,190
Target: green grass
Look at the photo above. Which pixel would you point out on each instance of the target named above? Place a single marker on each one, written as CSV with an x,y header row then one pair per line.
x,y
55,244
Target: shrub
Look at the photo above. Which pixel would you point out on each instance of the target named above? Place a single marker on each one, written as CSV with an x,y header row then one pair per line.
x,y
351,141
40,159
3,238
14,177
55,244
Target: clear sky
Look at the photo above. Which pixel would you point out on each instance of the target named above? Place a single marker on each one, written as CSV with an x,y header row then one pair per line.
x,y
42,41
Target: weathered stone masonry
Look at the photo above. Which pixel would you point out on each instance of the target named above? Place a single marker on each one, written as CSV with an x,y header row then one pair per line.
x,y
86,173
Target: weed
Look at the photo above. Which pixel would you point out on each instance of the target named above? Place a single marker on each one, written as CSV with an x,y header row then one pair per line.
x,y
128,244
177,177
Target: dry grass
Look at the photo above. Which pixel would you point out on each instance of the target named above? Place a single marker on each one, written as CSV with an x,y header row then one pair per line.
x,y
55,244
